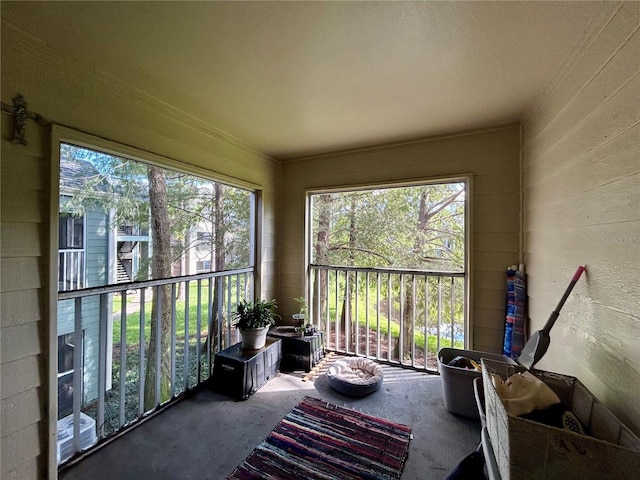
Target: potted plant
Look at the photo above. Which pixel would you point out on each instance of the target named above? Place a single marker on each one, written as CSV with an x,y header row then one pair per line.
x,y
253,319
303,329
298,318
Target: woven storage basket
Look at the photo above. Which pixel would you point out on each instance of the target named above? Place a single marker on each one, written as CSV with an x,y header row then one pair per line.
x,y
528,450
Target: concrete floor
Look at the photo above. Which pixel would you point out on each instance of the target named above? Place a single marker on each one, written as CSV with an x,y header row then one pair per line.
x,y
207,435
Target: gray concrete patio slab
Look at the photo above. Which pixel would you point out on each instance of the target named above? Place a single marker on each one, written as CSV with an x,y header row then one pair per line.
x,y
207,435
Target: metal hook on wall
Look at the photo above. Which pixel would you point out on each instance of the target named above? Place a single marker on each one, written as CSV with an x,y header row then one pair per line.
x,y
20,116
19,120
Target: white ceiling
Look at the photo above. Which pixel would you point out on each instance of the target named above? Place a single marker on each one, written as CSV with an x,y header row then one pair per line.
x,y
299,78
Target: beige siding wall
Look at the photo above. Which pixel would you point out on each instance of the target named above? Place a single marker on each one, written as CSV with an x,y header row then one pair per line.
x,y
23,260
491,157
582,205
81,98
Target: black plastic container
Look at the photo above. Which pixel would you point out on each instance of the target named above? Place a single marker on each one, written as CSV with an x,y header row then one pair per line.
x,y
240,373
299,353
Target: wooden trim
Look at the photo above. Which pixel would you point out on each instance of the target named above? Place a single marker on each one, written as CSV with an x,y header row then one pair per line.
x,y
399,144
52,302
414,182
468,262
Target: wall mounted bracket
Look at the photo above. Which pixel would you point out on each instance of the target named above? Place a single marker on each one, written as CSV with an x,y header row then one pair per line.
x,y
19,120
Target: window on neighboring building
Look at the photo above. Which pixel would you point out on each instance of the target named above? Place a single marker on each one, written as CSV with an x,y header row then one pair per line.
x,y
203,266
71,231
204,236
66,374
71,255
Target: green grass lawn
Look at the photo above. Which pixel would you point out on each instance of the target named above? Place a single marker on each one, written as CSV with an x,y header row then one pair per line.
x,y
133,321
432,340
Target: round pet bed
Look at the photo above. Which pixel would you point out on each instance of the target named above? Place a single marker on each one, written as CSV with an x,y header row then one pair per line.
x,y
355,376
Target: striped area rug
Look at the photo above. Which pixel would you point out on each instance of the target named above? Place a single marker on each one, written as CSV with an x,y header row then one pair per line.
x,y
318,440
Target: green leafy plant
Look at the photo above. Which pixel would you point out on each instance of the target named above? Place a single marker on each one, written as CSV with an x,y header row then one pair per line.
x,y
256,314
302,305
305,329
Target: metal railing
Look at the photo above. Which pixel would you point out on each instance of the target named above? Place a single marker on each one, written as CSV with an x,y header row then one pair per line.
x,y
71,274
399,316
173,326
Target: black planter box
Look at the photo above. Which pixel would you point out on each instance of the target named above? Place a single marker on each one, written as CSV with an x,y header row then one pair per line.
x,y
298,353
240,373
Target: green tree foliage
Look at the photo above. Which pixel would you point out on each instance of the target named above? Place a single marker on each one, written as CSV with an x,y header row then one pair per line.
x,y
384,228
416,228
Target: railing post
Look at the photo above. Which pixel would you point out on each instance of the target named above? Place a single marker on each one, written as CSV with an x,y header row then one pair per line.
x,y
453,314
337,325
62,258
413,320
389,317
159,307
401,334
377,315
229,342
187,342
173,340
80,269
198,329
327,314
426,320
141,354
366,313
78,372
323,316
347,313
123,355
356,320
439,312
102,360
316,312
219,315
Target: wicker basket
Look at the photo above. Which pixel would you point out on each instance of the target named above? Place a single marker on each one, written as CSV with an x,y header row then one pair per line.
x,y
528,450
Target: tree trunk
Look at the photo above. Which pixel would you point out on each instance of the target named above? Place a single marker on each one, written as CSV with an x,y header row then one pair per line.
x,y
409,301
322,257
160,268
346,317
216,328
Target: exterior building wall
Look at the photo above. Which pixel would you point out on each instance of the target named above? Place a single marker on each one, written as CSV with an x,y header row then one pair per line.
x,y
582,206
97,245
96,274
69,94
23,301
